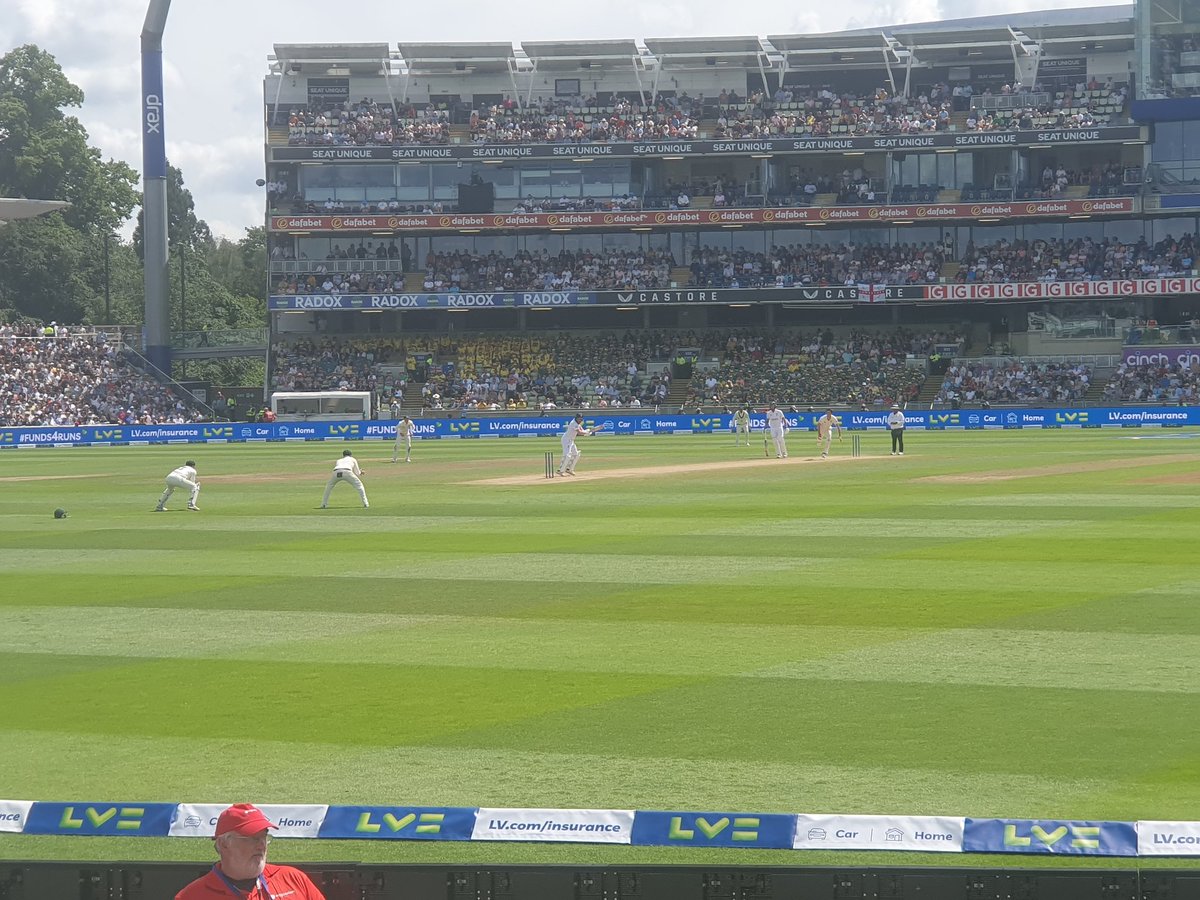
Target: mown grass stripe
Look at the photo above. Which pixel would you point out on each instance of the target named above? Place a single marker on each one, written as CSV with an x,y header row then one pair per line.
x,y
176,766
1152,663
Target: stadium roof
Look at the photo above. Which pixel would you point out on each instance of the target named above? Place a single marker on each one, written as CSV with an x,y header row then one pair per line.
x,y
318,59
572,55
808,51
620,49
992,38
723,51
973,44
1076,38
481,56
1021,21
12,209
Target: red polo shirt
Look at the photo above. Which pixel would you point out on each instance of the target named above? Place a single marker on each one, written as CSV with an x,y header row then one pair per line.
x,y
283,882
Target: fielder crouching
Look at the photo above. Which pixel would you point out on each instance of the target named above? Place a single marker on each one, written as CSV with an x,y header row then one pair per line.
x,y
346,469
184,478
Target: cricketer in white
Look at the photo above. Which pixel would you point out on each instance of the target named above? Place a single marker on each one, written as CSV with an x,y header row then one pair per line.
x,y
346,469
570,453
776,422
184,478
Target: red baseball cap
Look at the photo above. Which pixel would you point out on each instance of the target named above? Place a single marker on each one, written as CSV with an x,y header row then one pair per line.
x,y
243,818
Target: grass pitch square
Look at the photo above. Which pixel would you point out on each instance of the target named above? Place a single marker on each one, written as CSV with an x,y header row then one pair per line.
x,y
996,624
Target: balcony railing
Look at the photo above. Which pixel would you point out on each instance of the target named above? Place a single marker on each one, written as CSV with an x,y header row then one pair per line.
x,y
305,266
219,337
1037,100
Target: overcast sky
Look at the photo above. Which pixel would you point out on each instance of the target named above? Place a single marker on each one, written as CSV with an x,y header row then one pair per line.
x,y
215,57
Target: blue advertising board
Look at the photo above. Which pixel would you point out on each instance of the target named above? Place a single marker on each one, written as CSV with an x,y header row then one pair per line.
x,y
112,819
714,829
777,831
399,823
1050,836
623,422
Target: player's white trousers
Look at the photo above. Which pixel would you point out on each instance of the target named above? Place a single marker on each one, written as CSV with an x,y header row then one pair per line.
x,y
351,479
178,481
570,456
780,444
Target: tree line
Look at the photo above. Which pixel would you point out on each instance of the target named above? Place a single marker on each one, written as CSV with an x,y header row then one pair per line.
x,y
73,266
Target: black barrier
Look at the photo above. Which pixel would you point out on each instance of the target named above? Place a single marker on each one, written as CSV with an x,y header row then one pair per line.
x,y
362,881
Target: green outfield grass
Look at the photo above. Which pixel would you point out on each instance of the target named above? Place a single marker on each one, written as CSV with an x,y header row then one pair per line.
x,y
996,624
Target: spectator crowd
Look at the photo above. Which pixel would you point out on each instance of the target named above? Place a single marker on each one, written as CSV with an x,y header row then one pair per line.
x,y
367,123
1175,384
822,264
76,377
787,112
601,270
642,269
1076,259
862,369
546,373
824,113
560,121
1084,105
784,266
333,364
1015,381
610,370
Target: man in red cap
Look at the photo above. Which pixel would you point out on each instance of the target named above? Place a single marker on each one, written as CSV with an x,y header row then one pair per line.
x,y
242,871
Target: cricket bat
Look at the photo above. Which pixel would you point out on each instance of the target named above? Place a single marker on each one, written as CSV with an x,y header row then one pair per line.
x,y
766,452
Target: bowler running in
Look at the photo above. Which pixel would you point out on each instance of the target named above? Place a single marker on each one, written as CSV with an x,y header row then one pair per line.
x,y
404,436
825,428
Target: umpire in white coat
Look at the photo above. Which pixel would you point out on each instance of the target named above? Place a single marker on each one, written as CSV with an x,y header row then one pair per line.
x,y
895,424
